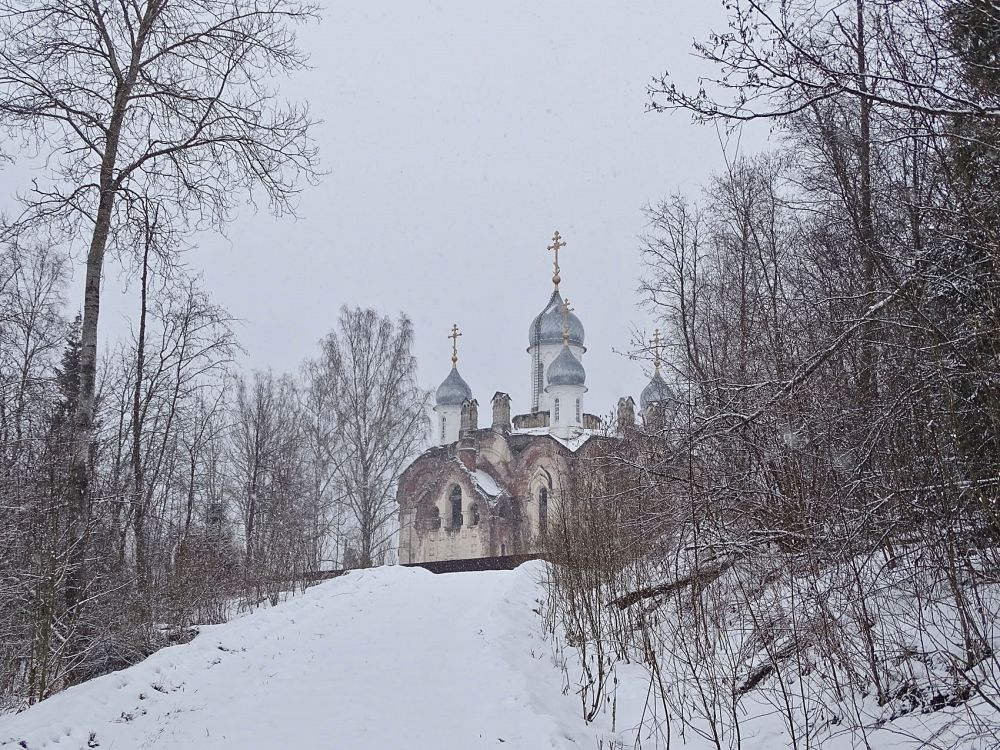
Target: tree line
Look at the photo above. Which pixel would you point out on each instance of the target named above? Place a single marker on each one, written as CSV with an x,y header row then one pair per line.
x,y
811,522
149,484
212,490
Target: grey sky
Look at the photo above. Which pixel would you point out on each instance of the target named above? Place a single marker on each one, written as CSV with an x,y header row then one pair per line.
x,y
458,135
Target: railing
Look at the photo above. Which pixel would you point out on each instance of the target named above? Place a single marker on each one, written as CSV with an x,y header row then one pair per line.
x,y
468,565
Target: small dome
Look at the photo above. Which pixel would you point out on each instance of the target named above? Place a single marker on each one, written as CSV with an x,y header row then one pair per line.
x,y
547,327
566,370
656,392
453,391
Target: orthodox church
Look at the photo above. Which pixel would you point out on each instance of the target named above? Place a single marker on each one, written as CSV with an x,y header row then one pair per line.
x,y
487,491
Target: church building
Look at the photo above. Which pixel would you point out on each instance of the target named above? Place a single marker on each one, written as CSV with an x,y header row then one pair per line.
x,y
488,491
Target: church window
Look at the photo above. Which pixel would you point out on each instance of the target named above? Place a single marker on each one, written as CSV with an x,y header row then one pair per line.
x,y
543,510
557,411
444,426
455,502
578,420
474,512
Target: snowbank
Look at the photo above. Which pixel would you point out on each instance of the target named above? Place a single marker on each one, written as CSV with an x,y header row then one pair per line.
x,y
381,659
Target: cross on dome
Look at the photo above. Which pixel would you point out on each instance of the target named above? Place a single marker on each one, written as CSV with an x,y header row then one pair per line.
x,y
566,311
455,333
656,342
557,243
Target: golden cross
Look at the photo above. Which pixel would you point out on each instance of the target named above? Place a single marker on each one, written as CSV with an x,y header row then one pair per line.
x,y
566,311
557,242
454,344
656,349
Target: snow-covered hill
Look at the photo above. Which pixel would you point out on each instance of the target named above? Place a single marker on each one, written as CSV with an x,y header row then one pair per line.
x,y
398,658
381,659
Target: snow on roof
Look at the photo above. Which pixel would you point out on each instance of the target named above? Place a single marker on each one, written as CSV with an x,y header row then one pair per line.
x,y
573,444
486,484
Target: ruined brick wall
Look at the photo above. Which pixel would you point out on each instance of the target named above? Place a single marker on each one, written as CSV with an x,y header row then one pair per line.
x,y
507,524
531,421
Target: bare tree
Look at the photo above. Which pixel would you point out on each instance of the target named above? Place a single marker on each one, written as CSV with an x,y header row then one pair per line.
x,y
270,482
381,418
127,100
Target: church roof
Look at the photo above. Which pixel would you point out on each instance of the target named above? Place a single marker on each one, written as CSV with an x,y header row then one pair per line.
x,y
547,327
453,391
572,444
566,369
656,392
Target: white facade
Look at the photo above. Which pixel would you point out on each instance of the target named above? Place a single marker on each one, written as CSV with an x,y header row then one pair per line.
x,y
566,409
447,421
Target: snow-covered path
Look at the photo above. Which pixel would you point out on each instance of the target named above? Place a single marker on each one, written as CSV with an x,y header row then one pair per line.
x,y
383,659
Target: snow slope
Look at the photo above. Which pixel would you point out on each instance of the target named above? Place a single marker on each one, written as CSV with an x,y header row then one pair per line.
x,y
380,659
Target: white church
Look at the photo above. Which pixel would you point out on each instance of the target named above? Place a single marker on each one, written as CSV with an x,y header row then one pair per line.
x,y
486,492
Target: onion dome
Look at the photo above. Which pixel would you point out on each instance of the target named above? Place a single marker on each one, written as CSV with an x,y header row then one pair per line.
x,y
566,370
656,392
453,391
547,327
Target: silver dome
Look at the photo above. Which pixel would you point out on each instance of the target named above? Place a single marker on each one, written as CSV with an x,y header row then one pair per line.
x,y
656,392
453,391
566,370
547,327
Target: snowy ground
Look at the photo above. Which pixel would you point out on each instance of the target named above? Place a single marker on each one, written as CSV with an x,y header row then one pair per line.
x,y
399,658
382,659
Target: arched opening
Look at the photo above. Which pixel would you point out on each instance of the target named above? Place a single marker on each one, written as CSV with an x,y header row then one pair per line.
x,y
556,412
474,514
543,510
444,426
578,411
455,507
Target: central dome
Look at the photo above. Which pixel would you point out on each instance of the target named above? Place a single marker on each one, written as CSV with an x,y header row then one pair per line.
x,y
547,327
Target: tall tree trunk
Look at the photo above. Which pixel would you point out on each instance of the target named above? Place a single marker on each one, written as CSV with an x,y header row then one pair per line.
x,y
139,488
83,419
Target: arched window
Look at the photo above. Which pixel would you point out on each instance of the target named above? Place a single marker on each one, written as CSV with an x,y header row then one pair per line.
x,y
455,506
557,411
474,513
578,420
543,510
444,426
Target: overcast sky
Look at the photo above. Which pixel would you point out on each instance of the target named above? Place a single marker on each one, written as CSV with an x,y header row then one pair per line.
x,y
457,136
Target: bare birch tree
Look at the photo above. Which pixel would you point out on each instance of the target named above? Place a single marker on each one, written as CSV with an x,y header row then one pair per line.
x,y
381,418
126,100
